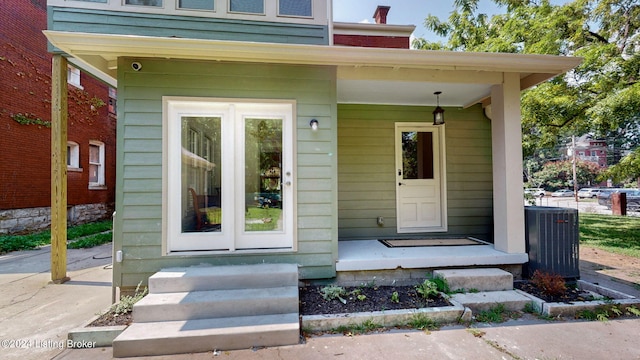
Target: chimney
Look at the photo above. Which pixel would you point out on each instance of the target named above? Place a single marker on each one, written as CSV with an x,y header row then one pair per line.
x,y
381,14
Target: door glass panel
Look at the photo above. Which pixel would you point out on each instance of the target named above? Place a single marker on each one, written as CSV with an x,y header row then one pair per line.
x,y
263,178
417,155
201,174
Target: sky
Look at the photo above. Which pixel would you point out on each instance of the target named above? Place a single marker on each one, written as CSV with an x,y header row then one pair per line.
x,y
406,12
403,12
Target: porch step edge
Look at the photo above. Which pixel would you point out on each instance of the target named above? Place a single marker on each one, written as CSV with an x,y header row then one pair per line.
x,y
482,279
482,301
216,304
192,336
203,278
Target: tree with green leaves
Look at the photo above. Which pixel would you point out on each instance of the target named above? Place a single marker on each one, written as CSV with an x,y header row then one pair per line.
x,y
601,96
559,174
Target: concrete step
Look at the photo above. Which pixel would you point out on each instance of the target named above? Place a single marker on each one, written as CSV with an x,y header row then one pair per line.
x,y
484,279
216,304
223,278
482,301
191,336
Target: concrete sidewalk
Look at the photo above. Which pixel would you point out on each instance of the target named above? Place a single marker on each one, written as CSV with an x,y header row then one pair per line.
x,y
42,314
516,339
35,316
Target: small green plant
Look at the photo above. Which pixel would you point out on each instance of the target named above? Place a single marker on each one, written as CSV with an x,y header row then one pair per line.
x,y
423,322
361,297
632,310
395,297
30,119
125,305
332,292
548,283
531,308
496,314
586,314
441,284
427,289
367,326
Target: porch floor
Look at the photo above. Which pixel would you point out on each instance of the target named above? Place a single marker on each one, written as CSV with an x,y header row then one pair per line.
x,y
362,255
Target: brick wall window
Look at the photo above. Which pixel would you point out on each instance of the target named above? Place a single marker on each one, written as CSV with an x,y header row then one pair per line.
x,y
73,76
73,155
113,95
96,164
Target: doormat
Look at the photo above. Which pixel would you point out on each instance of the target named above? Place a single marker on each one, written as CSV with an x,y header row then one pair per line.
x,y
394,243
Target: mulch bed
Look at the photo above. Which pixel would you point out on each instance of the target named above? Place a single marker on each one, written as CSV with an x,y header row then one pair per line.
x,y
572,294
376,298
108,319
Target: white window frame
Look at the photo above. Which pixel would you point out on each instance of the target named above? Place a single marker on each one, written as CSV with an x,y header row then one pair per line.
x,y
73,76
73,156
101,164
232,238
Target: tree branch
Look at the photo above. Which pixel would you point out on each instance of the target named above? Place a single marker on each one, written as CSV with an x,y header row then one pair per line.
x,y
598,37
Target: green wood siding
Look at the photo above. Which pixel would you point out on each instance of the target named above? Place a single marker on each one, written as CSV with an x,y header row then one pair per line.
x,y
126,23
366,170
138,225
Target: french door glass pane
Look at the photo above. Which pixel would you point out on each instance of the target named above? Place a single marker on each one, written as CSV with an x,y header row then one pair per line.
x,y
201,174
417,155
263,178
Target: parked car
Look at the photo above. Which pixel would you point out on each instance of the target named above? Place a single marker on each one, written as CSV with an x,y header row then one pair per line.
x,y
562,193
537,192
633,198
585,193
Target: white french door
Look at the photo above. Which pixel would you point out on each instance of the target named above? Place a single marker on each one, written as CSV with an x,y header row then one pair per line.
x,y
420,178
229,175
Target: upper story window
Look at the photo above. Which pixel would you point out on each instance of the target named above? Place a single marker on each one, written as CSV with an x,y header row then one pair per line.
x,y
73,76
300,8
112,100
247,6
96,164
197,4
157,3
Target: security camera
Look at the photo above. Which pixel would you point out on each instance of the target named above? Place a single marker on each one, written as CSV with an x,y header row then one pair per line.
x,y
136,66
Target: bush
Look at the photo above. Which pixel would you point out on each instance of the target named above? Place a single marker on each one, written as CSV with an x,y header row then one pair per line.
x,y
548,283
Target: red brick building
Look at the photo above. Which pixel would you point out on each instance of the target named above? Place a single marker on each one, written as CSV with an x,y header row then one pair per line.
x,y
379,35
25,134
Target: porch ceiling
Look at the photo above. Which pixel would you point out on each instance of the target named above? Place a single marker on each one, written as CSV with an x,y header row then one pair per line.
x,y
364,75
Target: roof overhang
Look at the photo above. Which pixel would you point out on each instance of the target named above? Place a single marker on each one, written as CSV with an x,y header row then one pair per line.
x,y
365,75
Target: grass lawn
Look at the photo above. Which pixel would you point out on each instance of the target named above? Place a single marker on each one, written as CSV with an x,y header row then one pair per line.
x,y
80,236
617,234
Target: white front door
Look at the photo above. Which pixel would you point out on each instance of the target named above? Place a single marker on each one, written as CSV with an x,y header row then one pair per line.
x,y
420,185
229,175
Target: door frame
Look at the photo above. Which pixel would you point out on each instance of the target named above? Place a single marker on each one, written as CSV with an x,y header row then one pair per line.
x,y
438,132
227,239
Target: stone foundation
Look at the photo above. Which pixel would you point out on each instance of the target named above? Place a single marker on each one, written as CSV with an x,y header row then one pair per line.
x,y
17,221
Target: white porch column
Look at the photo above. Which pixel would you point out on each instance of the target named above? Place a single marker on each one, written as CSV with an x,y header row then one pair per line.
x,y
506,138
